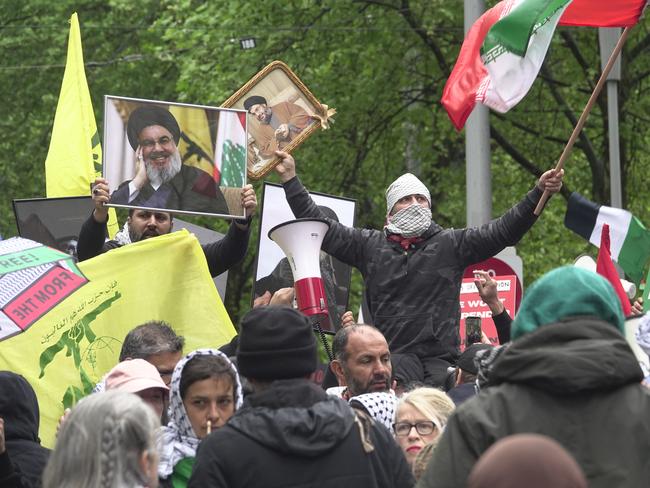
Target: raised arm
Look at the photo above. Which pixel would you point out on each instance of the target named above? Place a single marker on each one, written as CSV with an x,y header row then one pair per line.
x,y
224,254
93,231
478,243
344,243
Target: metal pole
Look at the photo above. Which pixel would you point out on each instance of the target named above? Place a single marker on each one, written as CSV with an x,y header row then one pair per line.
x,y
607,39
614,149
478,177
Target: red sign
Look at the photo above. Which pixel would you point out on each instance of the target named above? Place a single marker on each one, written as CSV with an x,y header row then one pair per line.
x,y
46,292
472,304
496,267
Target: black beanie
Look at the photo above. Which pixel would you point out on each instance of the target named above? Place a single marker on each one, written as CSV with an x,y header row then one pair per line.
x,y
254,100
276,343
148,115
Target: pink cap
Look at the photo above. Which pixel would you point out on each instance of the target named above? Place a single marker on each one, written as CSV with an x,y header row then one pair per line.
x,y
134,375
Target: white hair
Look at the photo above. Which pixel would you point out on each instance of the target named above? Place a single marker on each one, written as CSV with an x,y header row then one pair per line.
x,y
158,176
101,443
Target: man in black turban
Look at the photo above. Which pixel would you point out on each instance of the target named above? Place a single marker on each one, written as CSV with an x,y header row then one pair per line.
x,y
161,179
274,127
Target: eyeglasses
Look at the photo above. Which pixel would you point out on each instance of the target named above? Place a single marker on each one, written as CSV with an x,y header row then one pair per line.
x,y
149,143
423,428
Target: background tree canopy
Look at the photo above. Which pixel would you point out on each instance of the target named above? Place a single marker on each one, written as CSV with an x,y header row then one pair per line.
x,y
382,64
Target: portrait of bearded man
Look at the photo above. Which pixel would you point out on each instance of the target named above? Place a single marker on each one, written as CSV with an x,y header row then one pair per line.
x,y
161,179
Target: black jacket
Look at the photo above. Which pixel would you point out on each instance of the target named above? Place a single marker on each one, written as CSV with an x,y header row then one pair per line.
x,y
577,382
413,295
19,409
191,189
220,255
295,435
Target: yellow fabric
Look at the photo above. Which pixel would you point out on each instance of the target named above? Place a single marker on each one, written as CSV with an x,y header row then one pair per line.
x,y
165,278
196,144
74,158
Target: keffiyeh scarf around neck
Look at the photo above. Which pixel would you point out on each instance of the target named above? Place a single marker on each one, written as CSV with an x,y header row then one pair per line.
x,y
123,237
178,440
380,406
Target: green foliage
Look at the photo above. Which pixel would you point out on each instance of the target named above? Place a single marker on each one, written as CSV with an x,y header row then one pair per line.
x,y
382,65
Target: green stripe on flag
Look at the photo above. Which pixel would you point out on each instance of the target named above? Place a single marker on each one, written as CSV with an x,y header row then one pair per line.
x,y
513,31
635,251
27,258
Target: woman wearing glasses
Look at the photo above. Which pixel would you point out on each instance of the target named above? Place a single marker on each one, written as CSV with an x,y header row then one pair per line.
x,y
421,415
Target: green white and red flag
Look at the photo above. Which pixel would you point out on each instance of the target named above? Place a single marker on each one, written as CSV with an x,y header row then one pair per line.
x,y
505,48
230,157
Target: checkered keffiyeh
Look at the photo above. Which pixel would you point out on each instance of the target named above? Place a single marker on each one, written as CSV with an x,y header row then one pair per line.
x,y
643,334
380,406
405,185
178,440
411,221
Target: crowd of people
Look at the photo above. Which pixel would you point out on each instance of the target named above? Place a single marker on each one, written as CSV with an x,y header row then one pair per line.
x,y
560,403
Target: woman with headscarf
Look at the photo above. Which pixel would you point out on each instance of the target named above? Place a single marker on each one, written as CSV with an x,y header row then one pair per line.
x,y
204,393
420,418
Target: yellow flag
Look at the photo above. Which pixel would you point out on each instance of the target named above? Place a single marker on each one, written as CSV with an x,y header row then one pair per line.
x,y
74,158
196,143
65,352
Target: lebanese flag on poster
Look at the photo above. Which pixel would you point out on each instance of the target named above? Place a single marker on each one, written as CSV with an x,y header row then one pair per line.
x,y
505,48
605,267
230,157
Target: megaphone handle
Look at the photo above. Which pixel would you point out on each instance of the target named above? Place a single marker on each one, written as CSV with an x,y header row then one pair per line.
x,y
324,341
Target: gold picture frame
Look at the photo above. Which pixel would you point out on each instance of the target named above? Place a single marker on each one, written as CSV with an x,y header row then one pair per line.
x,y
289,116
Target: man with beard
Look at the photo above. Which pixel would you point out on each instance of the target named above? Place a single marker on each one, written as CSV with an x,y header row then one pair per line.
x,y
362,361
143,224
161,180
277,125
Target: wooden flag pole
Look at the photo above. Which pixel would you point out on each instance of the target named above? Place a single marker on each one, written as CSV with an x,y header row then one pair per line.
x,y
585,113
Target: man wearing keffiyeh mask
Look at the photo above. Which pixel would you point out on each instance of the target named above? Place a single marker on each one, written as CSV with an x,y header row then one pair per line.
x,y
413,268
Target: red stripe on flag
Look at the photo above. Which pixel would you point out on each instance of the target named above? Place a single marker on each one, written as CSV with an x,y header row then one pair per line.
x,y
603,13
459,95
242,119
605,267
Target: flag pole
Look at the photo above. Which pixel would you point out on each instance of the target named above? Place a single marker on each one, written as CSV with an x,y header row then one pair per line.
x,y
585,113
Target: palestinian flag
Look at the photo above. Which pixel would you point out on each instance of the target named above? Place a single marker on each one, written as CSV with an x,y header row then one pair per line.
x,y
505,48
605,268
230,158
630,240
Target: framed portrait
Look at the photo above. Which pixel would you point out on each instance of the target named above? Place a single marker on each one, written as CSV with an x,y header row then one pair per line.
x,y
282,114
272,269
175,157
54,222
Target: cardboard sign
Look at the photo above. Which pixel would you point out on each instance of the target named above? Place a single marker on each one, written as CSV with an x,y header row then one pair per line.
x,y
472,304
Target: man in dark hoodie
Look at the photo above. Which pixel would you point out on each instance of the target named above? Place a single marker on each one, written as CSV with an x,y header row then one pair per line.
x,y
569,374
20,412
289,431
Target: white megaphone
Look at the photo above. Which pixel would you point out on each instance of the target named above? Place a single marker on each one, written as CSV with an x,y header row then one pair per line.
x,y
588,263
300,240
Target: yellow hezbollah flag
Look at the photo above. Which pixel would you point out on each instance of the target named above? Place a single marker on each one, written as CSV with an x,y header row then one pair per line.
x,y
74,158
195,143
66,351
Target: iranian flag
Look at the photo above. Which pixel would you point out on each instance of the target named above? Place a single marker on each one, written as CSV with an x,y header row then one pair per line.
x,y
505,48
230,157
630,240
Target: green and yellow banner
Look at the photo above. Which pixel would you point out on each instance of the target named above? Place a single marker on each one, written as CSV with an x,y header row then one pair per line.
x,y
69,324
